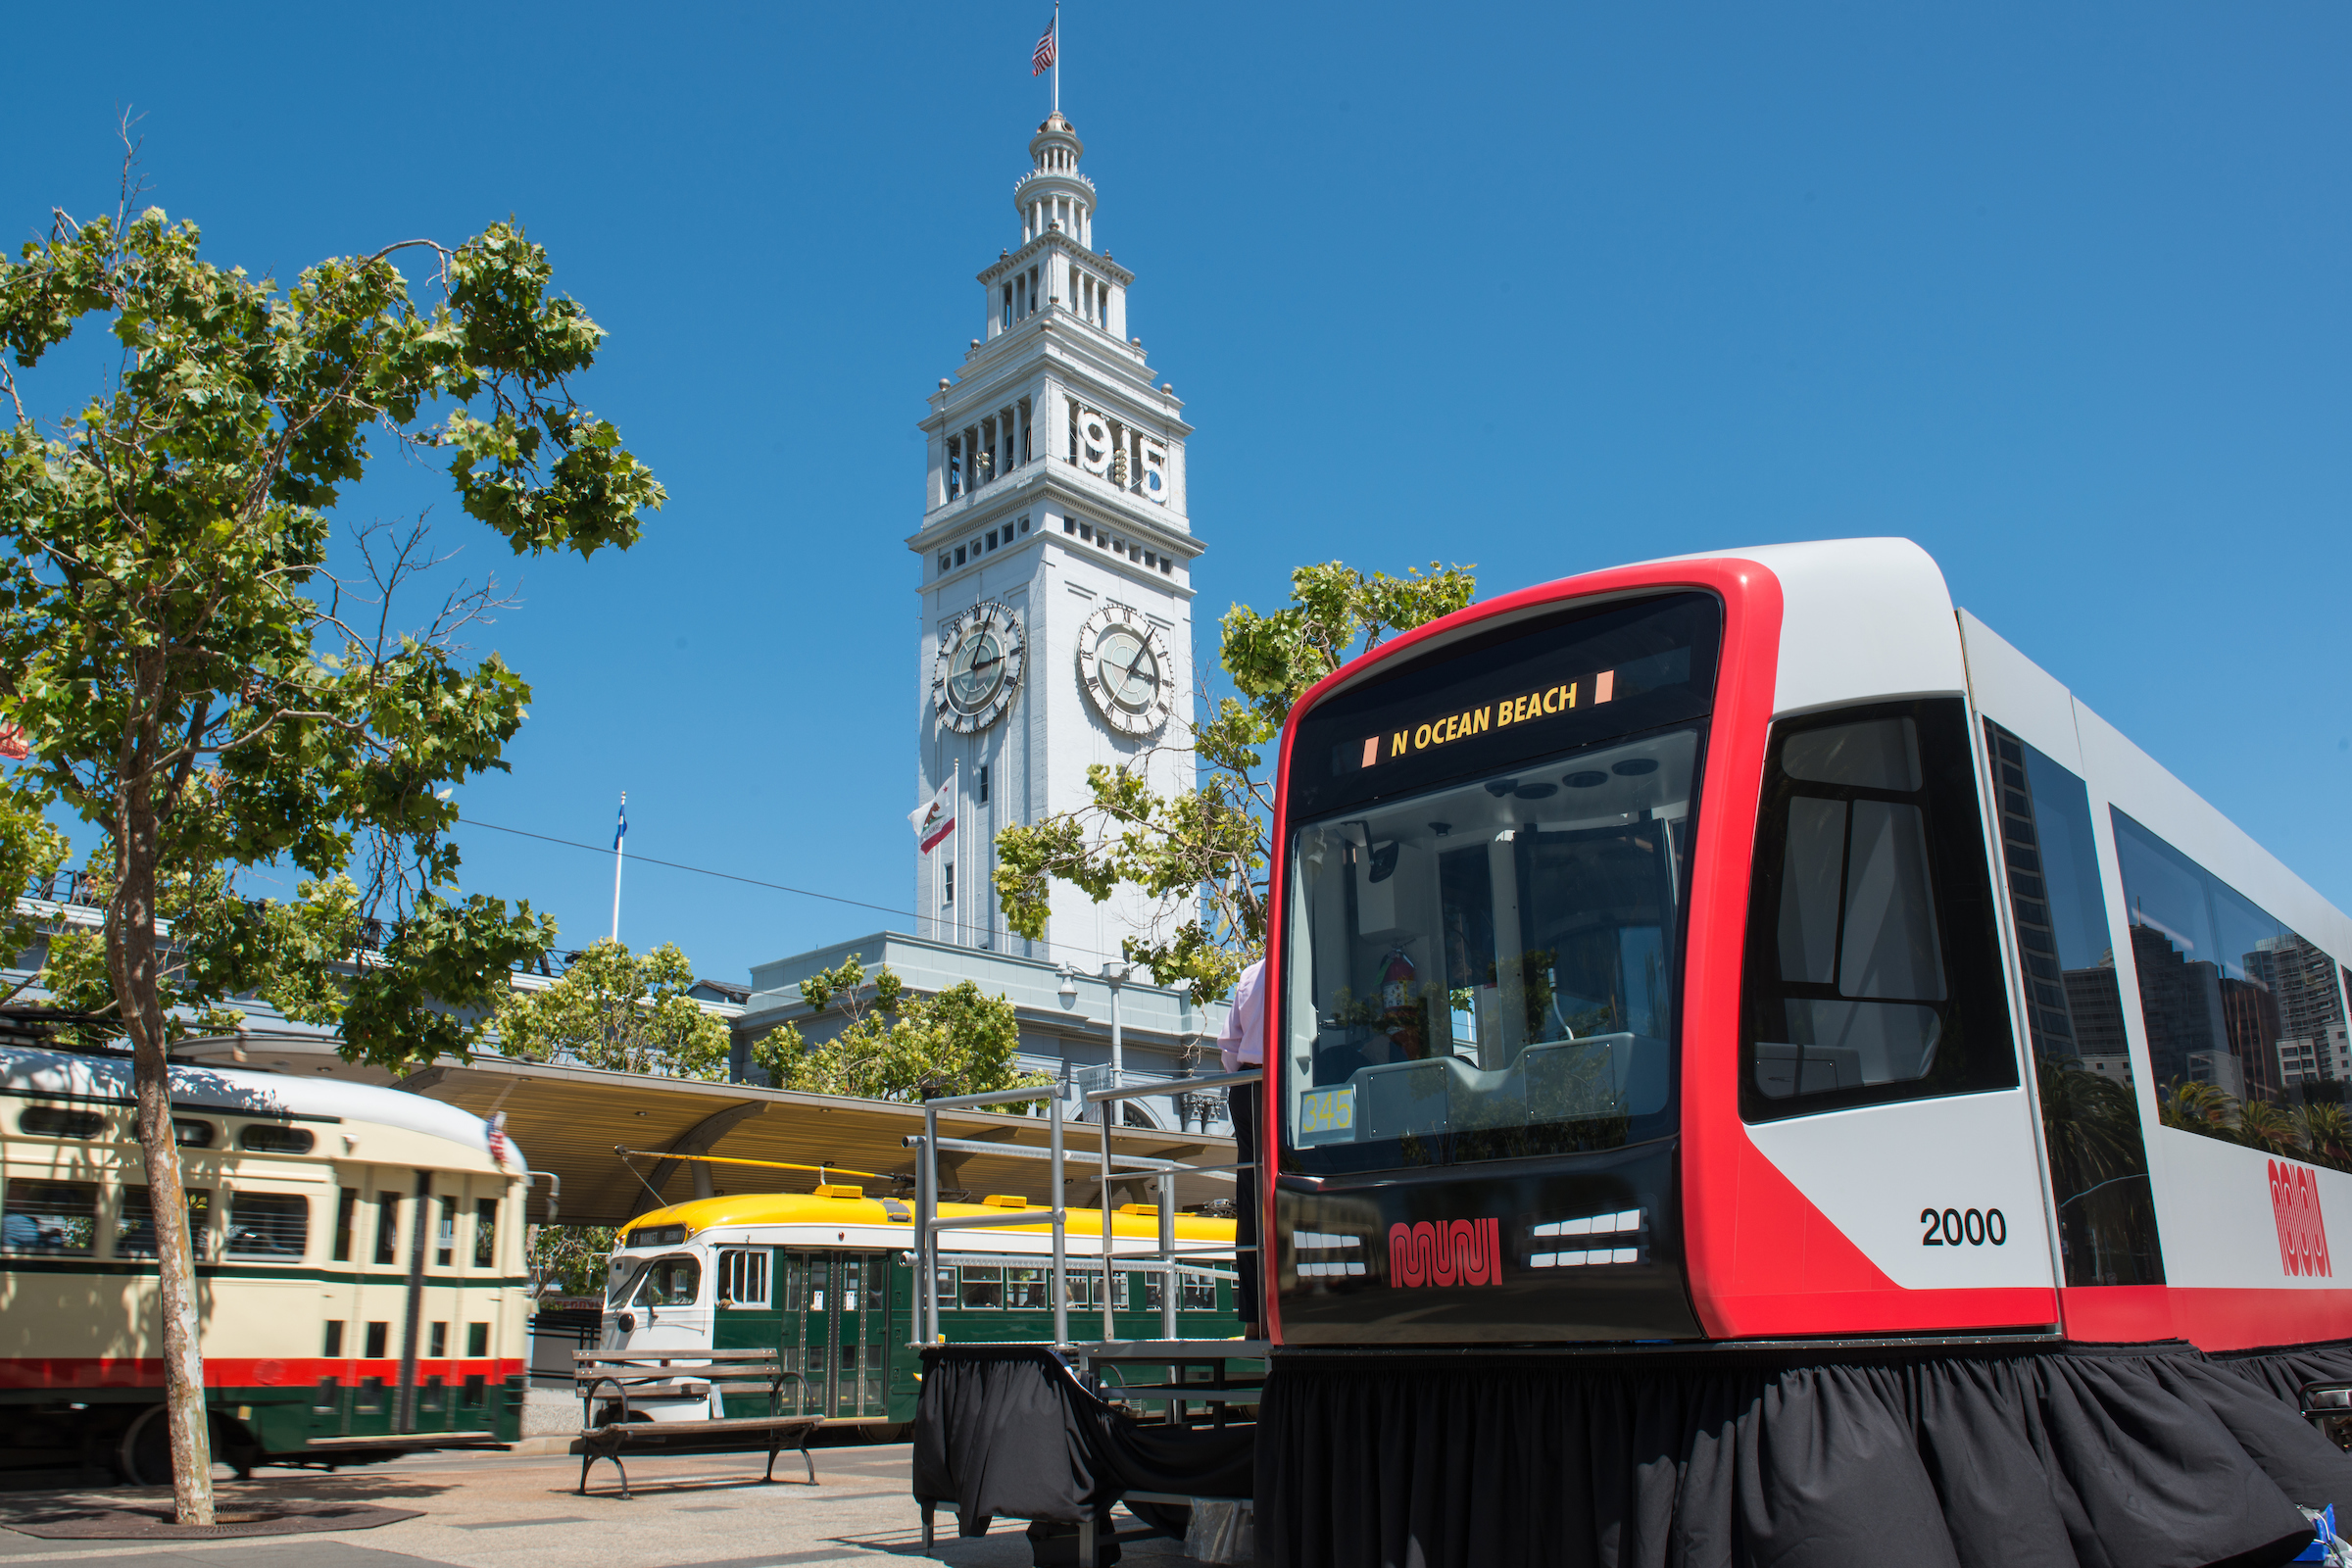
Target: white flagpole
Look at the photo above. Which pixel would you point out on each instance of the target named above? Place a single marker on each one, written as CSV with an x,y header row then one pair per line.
x,y
1058,55
618,839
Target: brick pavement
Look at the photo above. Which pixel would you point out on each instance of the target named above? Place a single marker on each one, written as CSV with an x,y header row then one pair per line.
x,y
496,1510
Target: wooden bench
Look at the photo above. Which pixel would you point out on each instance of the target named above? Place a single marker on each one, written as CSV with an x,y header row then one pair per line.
x,y
683,1374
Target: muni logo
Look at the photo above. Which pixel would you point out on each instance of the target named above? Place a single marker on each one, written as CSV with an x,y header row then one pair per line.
x,y
2296,1205
1457,1252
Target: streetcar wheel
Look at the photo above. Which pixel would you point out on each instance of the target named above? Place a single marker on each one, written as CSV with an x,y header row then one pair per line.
x,y
884,1432
146,1452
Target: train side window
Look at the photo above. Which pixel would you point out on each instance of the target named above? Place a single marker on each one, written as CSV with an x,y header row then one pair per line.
x,y
2246,1031
347,1208
271,1226
379,1339
190,1133
742,1277
670,1282
56,1217
54,1121
1025,1291
943,1289
445,1241
477,1341
485,1233
983,1288
387,1228
1872,968
1200,1292
265,1138
2107,1232
134,1226
334,1349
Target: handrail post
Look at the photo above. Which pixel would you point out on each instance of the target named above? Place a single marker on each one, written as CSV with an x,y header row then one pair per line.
x,y
1167,1255
926,1209
1059,1197
1110,1328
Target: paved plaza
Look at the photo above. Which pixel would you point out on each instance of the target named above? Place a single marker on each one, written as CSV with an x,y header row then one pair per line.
x,y
500,1511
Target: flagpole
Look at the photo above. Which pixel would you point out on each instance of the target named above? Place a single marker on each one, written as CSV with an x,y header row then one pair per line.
x,y
1056,54
618,839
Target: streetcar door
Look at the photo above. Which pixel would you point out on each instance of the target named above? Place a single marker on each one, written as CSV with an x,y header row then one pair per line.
x,y
835,1329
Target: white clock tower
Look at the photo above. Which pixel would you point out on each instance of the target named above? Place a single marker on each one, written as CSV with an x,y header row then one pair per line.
x,y
1056,569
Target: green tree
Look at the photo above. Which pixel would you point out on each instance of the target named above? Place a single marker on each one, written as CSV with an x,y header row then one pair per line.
x,y
618,1010
30,852
1201,854
895,1044
201,690
571,1259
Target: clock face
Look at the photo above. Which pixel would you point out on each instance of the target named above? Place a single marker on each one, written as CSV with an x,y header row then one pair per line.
x,y
979,668
1123,662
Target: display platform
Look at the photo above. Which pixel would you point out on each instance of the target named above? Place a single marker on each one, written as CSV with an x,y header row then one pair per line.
x,y
2080,1456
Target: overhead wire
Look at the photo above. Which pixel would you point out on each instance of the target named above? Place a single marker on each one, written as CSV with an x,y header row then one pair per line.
x,y
730,876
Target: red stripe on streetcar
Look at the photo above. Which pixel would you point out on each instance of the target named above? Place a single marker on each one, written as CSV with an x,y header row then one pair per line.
x,y
235,1372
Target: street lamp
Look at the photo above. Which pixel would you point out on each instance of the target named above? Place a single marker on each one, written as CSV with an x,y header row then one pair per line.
x,y
1115,973
1069,992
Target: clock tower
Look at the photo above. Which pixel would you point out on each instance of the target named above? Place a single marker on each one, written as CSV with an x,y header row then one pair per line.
x,y
1055,563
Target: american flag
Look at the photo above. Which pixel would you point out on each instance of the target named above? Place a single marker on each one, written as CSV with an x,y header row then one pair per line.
x,y
1043,55
500,1150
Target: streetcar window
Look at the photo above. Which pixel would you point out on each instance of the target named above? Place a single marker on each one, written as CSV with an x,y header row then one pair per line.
x,y
943,1287
471,1395
261,1138
1151,1285
333,1348
1200,1292
190,1133
347,1206
2075,1017
2245,1023
983,1288
621,1279
371,1395
1488,970
267,1225
742,1277
379,1339
39,1216
1025,1289
485,1233
438,1340
50,1121
445,1241
670,1282
387,1228
135,1227
1872,972
477,1341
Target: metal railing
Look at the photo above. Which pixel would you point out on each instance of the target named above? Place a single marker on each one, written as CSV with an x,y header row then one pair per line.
x,y
929,1223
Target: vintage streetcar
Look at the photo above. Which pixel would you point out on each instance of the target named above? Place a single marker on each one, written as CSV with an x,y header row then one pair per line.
x,y
828,1279
360,1268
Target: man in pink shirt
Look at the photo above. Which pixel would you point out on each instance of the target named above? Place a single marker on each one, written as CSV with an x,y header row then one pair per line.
x,y
1243,1046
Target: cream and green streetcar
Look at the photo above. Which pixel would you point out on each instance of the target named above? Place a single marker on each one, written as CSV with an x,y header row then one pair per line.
x,y
360,1268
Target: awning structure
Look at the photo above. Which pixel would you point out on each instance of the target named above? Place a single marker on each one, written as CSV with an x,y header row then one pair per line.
x,y
569,1121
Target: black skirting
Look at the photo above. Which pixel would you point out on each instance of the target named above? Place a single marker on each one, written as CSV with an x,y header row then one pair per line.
x,y
2137,1456
1007,1430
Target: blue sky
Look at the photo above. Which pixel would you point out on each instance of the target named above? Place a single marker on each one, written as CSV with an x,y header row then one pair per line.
x,y
2058,292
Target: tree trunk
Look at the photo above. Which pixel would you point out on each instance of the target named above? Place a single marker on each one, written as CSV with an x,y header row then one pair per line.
x,y
131,959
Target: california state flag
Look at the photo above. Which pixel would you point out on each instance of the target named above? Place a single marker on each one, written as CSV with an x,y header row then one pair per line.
x,y
935,819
